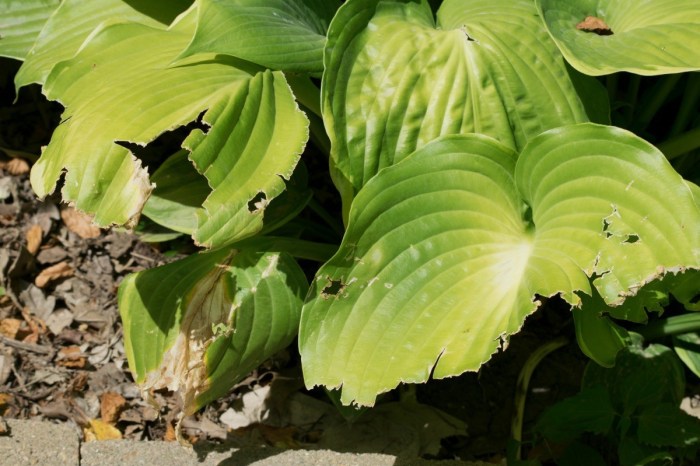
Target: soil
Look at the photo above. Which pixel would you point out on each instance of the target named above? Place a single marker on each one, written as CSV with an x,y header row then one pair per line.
x,y
62,355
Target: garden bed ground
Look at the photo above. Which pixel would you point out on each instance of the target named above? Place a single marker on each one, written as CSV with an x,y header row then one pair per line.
x,y
62,356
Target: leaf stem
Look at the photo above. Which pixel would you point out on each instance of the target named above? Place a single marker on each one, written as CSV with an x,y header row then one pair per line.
x,y
658,95
681,144
516,426
326,217
675,325
689,104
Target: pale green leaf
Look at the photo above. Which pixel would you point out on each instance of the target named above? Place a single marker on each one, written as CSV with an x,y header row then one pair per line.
x,y
66,30
20,24
397,78
255,137
441,259
648,38
198,325
285,35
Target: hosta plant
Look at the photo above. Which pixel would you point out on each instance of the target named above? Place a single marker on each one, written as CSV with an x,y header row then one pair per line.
x,y
470,146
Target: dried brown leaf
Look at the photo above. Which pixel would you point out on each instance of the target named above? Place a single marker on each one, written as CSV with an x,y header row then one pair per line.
x,y
79,223
54,272
34,237
594,25
71,357
17,166
111,406
170,434
10,327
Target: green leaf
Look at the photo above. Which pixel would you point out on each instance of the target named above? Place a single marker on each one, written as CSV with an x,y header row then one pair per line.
x,y
641,377
286,35
256,131
580,454
67,29
633,453
397,78
687,347
200,324
20,24
647,38
588,411
180,190
441,260
598,336
665,425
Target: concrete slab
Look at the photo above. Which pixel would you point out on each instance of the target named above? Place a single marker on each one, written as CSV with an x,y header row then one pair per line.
x,y
39,443
130,453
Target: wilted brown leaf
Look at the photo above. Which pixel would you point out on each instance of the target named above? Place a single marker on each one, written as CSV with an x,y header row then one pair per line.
x,y
54,272
100,430
170,434
594,25
34,236
79,223
71,357
17,166
111,406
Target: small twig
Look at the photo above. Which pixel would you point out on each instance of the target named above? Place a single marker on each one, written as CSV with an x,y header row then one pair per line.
x,y
146,258
26,346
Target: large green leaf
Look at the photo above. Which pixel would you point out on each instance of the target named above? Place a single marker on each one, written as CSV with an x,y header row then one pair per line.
x,y
199,325
441,259
396,79
71,24
278,34
120,87
20,24
644,37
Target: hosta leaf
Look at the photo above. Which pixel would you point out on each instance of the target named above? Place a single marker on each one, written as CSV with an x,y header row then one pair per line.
x,y
180,191
396,79
70,25
255,137
278,34
597,335
20,24
200,324
440,259
647,38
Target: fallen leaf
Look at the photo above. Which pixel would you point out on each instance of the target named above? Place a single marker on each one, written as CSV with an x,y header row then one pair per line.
x,y
4,428
58,320
594,25
10,327
7,363
71,357
100,430
37,326
79,223
6,400
34,237
17,166
111,406
54,272
170,434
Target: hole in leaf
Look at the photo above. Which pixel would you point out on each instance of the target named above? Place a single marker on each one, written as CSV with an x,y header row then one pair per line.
x,y
258,203
695,299
631,239
153,154
595,25
606,226
334,288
